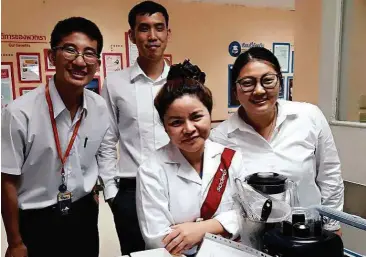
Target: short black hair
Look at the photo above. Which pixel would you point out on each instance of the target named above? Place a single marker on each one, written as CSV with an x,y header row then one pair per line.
x,y
254,54
76,24
146,7
183,79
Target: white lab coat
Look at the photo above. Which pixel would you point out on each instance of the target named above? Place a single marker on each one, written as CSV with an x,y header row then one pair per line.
x,y
170,191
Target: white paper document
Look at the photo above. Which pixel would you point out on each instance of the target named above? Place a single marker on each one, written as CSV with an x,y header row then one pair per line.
x,y
133,53
160,252
215,246
282,52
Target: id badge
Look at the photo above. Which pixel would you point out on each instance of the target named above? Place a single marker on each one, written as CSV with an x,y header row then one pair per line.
x,y
64,202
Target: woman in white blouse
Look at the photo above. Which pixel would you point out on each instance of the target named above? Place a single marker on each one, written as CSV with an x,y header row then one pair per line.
x,y
290,138
173,184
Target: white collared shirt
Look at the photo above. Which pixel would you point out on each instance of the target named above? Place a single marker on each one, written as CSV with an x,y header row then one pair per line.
x,y
170,191
29,150
130,98
302,148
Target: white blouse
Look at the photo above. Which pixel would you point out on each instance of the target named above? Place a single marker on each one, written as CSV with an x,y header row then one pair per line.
x,y
302,148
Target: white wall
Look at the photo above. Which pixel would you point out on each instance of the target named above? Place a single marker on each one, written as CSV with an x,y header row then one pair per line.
x,y
350,137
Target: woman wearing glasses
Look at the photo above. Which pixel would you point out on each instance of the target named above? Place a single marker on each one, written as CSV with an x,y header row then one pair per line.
x,y
278,136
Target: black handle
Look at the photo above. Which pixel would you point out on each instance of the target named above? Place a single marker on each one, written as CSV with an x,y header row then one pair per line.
x,y
266,210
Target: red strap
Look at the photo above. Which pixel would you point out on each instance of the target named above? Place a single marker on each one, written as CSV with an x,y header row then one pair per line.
x,y
218,185
55,132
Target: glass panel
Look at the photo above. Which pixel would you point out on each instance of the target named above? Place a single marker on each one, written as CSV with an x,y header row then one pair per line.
x,y
352,88
353,237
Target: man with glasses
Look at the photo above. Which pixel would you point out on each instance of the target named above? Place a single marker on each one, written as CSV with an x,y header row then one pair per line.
x,y
130,97
51,140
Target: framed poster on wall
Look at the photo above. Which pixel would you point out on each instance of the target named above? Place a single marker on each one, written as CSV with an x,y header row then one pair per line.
x,y
282,91
131,51
24,90
290,82
282,52
94,85
232,100
112,62
29,67
47,63
7,83
292,61
169,59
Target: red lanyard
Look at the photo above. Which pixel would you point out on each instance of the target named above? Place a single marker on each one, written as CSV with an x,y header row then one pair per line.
x,y
55,134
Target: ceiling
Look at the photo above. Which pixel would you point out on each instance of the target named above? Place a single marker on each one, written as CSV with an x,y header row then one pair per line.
x,y
281,4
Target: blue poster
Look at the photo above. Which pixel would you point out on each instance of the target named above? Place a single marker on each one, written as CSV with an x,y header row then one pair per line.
x,y
281,93
232,100
93,86
290,82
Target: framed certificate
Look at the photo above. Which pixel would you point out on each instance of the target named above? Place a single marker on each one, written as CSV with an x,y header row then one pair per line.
x,y
29,68
131,51
282,52
290,81
112,62
47,63
282,91
24,90
7,83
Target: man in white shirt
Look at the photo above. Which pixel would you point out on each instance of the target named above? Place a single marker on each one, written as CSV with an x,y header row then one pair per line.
x,y
51,138
129,95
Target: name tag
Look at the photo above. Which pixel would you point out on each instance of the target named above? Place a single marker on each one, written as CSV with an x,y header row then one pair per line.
x,y
64,200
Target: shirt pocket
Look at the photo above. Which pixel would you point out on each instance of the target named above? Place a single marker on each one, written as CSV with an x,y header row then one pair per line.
x,y
88,152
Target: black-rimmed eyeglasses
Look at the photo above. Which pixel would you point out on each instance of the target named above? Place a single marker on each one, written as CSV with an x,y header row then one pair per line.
x,y
70,53
267,81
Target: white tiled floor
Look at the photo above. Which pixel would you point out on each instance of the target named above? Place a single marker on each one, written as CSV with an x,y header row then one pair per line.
x,y
109,244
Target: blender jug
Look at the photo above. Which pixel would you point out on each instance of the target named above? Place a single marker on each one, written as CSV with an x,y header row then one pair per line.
x,y
256,215
275,186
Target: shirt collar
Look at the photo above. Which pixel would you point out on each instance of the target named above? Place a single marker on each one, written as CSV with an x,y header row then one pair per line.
x,y
236,122
284,112
136,71
58,104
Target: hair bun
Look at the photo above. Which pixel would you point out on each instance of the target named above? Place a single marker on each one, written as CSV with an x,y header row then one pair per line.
x,y
186,70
